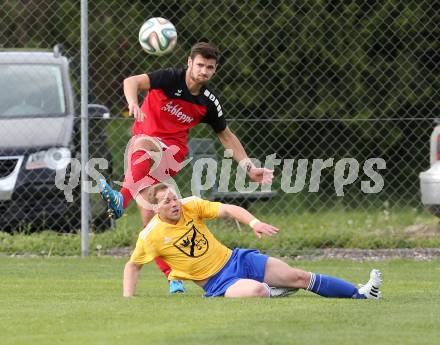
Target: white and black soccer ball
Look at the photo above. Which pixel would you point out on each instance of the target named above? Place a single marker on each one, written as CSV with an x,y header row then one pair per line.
x,y
157,36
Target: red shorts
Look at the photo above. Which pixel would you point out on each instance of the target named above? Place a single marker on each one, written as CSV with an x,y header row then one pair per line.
x,y
144,169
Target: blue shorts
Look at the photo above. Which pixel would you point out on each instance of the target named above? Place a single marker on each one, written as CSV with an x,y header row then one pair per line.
x,y
243,264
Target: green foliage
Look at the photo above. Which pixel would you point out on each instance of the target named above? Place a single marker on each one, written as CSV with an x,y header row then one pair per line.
x,y
305,59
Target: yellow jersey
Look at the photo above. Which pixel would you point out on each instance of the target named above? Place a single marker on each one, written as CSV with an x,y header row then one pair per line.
x,y
188,247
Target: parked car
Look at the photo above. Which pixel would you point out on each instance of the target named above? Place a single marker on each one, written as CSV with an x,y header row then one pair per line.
x,y
39,133
430,179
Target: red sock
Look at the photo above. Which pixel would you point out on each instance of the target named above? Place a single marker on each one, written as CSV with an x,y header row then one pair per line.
x,y
163,266
127,197
139,168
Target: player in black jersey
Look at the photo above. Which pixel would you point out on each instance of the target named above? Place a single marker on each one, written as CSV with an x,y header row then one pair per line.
x,y
176,101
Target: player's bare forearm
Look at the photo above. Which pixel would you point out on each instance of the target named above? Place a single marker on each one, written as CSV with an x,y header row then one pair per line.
x,y
131,274
230,141
236,212
245,217
132,86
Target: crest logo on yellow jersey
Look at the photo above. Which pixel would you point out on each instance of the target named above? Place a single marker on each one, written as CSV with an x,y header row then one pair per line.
x,y
193,243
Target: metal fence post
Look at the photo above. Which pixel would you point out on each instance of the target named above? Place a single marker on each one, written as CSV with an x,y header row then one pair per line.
x,y
84,130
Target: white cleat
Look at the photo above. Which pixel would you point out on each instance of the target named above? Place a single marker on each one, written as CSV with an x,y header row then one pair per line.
x,y
281,292
371,289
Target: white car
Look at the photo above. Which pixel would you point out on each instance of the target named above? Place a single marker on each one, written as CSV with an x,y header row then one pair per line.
x,y
430,179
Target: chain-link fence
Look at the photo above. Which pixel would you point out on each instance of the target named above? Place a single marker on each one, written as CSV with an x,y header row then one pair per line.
x,y
343,92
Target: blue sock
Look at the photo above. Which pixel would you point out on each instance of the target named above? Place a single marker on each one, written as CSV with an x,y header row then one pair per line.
x,y
327,286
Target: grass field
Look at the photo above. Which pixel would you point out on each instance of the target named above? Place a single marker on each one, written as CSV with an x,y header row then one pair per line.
x,y
78,301
299,232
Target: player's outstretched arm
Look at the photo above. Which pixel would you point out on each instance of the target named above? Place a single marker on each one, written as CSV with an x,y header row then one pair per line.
x,y
245,217
230,141
131,274
132,86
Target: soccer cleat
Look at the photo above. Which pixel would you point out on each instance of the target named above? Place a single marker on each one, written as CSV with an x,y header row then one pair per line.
x,y
371,289
176,286
281,292
113,199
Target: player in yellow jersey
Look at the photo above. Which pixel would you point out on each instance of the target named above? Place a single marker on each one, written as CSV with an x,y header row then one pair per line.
x,y
178,235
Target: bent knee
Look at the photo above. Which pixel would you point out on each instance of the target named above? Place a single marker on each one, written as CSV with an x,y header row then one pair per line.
x,y
146,143
247,289
300,278
260,290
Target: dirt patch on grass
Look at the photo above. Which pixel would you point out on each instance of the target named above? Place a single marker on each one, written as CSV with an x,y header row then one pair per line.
x,y
123,251
420,254
423,230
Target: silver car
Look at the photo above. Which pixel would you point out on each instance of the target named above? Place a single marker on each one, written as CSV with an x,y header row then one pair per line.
x,y
39,133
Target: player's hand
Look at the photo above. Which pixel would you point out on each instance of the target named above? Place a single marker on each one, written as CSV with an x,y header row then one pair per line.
x,y
135,110
261,229
261,175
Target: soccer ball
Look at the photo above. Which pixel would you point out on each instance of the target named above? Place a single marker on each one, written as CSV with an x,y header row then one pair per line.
x,y
157,36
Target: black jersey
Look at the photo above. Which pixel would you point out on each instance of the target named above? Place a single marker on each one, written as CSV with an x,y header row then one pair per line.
x,y
171,110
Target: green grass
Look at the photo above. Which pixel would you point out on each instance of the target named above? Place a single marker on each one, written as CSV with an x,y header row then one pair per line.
x,y
78,301
300,232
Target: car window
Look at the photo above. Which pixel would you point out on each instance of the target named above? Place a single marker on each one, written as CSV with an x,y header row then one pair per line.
x,y
31,90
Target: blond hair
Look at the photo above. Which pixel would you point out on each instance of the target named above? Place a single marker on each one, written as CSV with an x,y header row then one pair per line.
x,y
153,190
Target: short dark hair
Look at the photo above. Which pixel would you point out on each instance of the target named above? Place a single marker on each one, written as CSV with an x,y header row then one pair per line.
x,y
205,49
